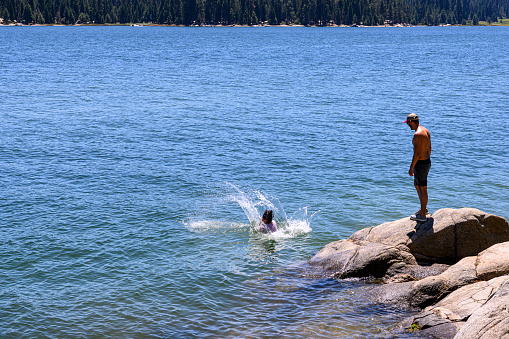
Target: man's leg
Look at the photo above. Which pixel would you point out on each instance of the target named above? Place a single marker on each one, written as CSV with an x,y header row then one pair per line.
x,y
417,188
422,191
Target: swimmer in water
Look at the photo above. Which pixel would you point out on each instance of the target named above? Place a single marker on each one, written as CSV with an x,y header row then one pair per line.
x,y
267,225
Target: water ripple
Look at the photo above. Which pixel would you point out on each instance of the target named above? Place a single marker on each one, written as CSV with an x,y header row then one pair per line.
x,y
116,145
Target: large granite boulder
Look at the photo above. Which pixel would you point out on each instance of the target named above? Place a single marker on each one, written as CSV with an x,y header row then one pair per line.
x,y
493,262
479,310
345,258
430,325
491,320
448,236
489,264
455,266
460,304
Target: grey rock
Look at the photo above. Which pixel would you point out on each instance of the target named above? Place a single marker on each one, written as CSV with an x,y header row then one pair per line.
x,y
434,326
481,308
491,320
419,293
493,262
399,278
469,299
391,233
488,264
456,234
335,255
448,236
445,319
398,293
415,271
345,258
387,249
429,290
461,273
460,304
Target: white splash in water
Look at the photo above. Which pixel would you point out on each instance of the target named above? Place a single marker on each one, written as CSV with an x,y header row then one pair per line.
x,y
254,203
204,225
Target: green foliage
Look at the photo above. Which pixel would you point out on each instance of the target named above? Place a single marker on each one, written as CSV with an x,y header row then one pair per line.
x,y
27,14
414,327
475,20
83,18
251,12
5,15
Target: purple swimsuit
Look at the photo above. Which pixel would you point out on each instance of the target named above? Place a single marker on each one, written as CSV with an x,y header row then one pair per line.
x,y
266,228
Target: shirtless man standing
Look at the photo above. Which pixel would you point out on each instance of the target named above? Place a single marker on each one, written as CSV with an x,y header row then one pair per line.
x,y
421,163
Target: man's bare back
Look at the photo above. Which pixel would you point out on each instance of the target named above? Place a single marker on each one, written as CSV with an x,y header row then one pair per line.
x,y
422,143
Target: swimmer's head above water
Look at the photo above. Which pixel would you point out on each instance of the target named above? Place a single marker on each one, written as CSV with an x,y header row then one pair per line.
x,y
267,216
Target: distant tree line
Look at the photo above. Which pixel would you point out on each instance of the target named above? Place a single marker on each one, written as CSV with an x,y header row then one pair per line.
x,y
251,12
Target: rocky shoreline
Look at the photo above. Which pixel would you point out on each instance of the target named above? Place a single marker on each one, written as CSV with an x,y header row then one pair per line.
x,y
454,268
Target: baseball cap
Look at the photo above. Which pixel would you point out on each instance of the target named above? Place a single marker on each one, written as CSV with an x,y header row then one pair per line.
x,y
411,117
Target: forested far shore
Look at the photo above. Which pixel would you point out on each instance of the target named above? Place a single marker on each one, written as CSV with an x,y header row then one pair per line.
x,y
254,12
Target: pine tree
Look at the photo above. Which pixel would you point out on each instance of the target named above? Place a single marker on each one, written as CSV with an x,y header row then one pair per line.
x,y
27,14
5,15
475,20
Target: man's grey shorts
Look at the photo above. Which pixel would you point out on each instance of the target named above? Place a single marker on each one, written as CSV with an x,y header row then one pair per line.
x,y
421,171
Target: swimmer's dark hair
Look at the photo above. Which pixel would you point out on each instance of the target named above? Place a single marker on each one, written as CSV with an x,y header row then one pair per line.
x,y
267,215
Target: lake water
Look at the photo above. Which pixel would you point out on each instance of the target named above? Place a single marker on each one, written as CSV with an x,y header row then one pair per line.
x,y
134,162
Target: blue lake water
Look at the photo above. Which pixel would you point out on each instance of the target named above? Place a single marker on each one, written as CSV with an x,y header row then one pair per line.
x,y
134,162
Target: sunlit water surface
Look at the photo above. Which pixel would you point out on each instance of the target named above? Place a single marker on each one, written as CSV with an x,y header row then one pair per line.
x,y
136,161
